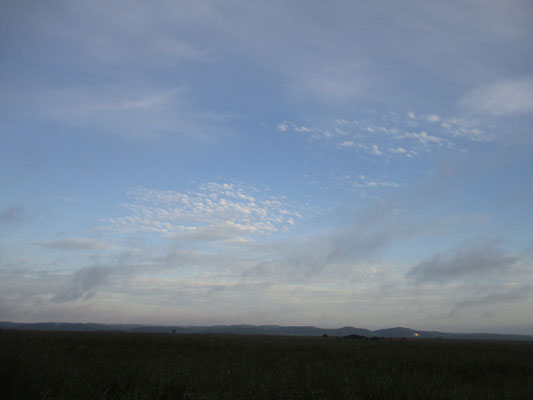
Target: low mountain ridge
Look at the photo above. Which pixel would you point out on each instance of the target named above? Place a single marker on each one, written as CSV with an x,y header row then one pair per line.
x,y
346,331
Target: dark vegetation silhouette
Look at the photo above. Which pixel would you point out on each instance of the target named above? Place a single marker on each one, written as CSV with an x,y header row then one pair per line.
x,y
118,365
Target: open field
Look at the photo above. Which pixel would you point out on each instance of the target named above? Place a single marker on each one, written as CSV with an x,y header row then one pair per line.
x,y
75,365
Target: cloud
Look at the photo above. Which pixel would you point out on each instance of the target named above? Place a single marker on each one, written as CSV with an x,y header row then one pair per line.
x,y
282,127
321,52
391,134
316,257
96,35
302,129
432,118
374,149
477,262
335,256
13,215
506,295
349,143
132,112
143,70
398,150
501,98
332,83
124,266
289,125
458,127
83,282
216,211
73,244
364,182
423,137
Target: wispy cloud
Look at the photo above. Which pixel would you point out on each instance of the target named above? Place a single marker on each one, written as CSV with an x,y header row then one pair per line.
x,y
327,258
134,112
364,185
73,244
13,215
510,294
337,255
121,267
83,282
332,83
501,98
474,261
141,36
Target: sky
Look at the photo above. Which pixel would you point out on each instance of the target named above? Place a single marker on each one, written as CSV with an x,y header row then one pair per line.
x,y
363,163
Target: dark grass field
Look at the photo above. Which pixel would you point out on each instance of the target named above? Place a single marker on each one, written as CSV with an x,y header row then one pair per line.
x,y
68,365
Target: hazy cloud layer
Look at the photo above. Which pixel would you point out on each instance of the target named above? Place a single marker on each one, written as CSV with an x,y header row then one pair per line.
x,y
267,162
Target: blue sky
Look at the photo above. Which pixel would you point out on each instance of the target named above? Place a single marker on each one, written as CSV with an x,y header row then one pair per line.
x,y
350,163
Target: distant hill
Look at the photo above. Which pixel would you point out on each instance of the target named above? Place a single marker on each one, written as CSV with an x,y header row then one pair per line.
x,y
396,333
